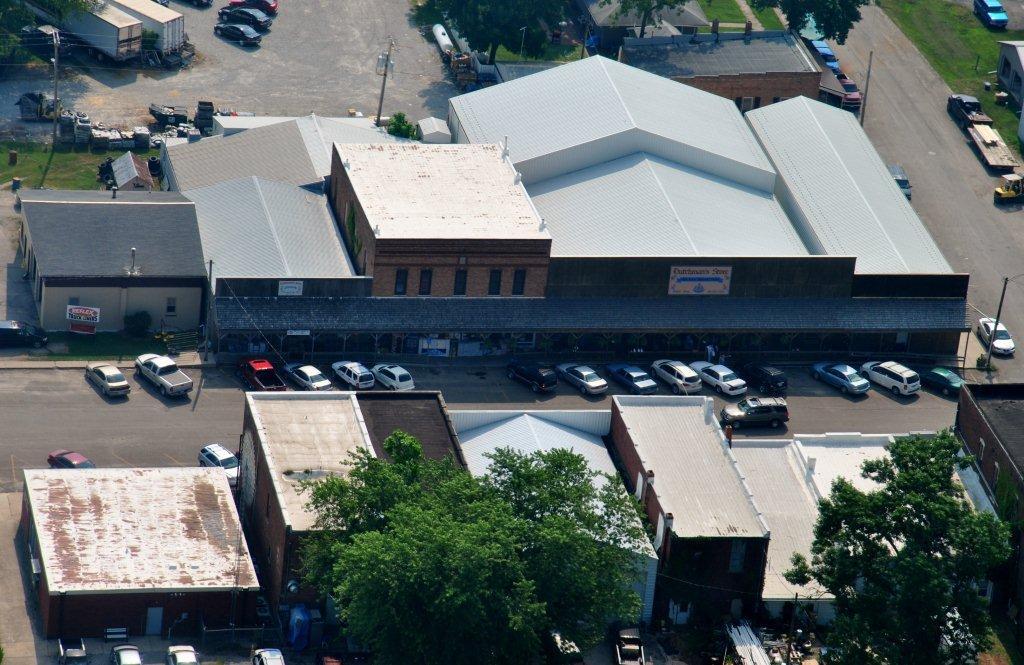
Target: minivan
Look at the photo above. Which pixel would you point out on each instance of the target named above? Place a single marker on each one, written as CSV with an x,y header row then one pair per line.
x,y
892,375
19,333
771,411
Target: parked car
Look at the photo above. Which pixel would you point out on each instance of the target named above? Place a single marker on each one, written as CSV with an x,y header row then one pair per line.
x,y
942,379
538,378
19,333
629,648
892,376
164,374
259,374
841,376
164,3
771,411
246,16
236,32
679,377
991,13
68,459
901,179
125,654
182,655
201,3
827,54
769,379
634,379
217,455
720,377
108,379
393,377
998,338
267,657
71,651
354,374
266,6
307,377
584,378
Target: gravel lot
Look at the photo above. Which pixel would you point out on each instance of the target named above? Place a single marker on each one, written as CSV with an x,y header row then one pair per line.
x,y
319,57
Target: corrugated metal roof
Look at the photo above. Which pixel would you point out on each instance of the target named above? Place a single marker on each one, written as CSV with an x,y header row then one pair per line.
x,y
841,196
138,530
696,476
253,227
643,205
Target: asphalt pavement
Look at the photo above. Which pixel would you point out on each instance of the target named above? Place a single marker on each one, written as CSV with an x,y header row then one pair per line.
x,y
46,409
952,191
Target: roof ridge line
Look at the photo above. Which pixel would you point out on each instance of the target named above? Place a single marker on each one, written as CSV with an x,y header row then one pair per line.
x,y
668,199
615,89
270,223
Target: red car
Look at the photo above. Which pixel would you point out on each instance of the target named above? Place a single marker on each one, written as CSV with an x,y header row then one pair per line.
x,y
260,375
266,6
68,459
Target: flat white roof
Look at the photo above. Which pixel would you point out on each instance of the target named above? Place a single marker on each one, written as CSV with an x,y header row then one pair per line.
x,y
696,475
411,190
138,530
306,436
116,16
149,8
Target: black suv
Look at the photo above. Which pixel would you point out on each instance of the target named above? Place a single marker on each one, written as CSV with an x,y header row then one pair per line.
x,y
771,411
540,379
19,333
767,379
246,15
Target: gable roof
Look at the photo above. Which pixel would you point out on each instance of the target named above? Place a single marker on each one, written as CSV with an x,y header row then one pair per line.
x,y
838,191
128,167
91,234
252,227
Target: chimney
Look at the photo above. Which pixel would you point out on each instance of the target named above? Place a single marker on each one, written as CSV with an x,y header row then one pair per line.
x,y
113,191
747,28
132,270
728,435
811,463
669,519
714,29
650,477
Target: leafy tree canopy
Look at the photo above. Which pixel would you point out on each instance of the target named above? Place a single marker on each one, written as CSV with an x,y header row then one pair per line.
x,y
643,10
488,24
428,564
904,560
833,18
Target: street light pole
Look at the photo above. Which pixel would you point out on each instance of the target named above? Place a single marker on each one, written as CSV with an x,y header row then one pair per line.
x,y
384,66
522,43
56,75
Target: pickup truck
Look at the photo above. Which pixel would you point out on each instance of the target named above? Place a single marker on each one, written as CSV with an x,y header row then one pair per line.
x,y
260,375
629,648
71,651
991,147
966,111
164,374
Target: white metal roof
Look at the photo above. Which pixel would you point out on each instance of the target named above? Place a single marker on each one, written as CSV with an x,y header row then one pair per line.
x,y
252,227
594,110
838,191
412,190
148,8
643,205
115,16
306,436
138,530
696,476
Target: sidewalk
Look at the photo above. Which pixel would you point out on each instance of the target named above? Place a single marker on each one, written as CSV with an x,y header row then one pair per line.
x,y
188,360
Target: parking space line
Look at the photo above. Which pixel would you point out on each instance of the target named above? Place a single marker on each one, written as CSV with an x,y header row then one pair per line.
x,y
174,461
126,462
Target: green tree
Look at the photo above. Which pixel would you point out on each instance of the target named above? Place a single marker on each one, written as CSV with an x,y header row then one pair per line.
x,y
904,560
644,10
833,18
428,564
398,125
488,24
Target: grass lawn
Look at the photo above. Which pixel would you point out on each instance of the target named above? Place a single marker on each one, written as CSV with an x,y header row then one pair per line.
x,y
726,11
63,168
768,18
552,52
953,41
102,346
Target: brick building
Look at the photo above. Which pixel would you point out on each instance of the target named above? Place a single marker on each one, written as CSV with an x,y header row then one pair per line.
x,y
752,69
289,438
139,549
439,220
711,538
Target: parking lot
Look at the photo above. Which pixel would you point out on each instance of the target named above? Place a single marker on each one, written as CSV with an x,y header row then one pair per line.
x,y
45,409
319,57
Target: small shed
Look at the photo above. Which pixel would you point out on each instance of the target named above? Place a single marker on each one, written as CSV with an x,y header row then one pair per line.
x,y
433,130
131,173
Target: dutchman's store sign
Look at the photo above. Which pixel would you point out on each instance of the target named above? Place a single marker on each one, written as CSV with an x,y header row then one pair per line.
x,y
83,319
700,280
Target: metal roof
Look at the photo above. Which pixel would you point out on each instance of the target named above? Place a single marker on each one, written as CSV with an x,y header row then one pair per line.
x,y
593,314
643,205
253,227
595,110
688,14
697,478
727,53
413,190
91,234
838,191
137,530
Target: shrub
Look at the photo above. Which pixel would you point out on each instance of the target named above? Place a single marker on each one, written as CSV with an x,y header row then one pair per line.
x,y
137,324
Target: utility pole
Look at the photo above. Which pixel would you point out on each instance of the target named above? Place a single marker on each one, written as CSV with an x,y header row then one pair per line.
x,y
792,627
384,65
56,76
867,84
522,43
995,328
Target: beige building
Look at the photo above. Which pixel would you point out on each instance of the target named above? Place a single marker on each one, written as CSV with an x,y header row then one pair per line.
x,y
94,259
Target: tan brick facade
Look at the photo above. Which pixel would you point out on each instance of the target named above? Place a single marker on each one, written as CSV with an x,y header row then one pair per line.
x,y
767,88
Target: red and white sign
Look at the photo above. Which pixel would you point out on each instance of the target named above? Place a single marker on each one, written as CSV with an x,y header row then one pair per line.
x,y
83,319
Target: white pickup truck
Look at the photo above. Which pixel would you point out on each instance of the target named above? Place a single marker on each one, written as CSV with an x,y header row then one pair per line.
x,y
163,373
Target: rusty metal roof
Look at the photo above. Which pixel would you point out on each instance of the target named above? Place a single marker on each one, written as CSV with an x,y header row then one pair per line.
x,y
137,530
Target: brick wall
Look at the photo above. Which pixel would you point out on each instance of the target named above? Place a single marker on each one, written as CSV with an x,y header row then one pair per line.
x,y
767,86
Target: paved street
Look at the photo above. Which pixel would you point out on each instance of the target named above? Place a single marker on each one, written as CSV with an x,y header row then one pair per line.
x,y
45,409
319,57
907,121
